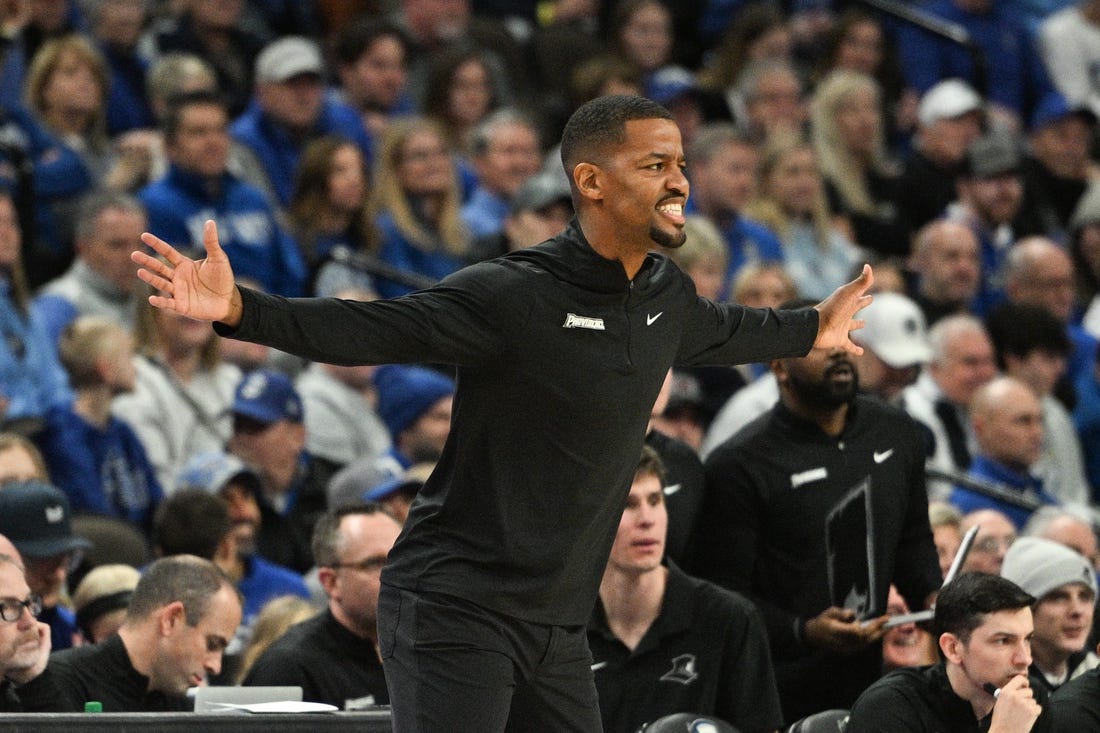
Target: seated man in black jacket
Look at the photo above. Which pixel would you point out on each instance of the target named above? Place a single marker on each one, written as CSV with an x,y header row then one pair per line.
x,y
334,655
664,642
181,617
982,684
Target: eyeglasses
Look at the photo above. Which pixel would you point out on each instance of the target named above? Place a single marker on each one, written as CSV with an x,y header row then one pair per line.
x,y
989,545
11,609
365,565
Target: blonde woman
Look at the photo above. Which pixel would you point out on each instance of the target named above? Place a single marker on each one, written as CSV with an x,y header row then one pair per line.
x,y
415,205
862,184
703,256
101,599
277,615
791,201
180,405
66,88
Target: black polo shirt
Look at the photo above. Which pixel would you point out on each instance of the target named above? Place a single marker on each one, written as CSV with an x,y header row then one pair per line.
x,y
1076,705
331,664
101,672
920,700
706,653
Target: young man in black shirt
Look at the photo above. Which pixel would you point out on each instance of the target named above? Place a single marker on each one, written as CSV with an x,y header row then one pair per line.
x,y
561,350
982,684
663,642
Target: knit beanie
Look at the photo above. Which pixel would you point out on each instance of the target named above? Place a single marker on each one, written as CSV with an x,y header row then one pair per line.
x,y
407,392
1040,566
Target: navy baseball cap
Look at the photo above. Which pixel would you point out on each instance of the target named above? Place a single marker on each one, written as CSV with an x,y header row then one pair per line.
x,y
267,397
37,518
1054,107
670,83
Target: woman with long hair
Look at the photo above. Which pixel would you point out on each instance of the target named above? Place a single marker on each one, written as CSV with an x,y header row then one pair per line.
x,y
328,214
66,88
641,34
858,42
462,88
31,377
861,182
415,205
791,201
759,33
181,401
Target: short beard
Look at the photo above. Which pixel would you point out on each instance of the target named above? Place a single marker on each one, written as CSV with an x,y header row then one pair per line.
x,y
666,240
825,395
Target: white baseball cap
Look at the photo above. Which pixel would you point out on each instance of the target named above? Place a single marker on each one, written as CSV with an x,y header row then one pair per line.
x,y
895,330
946,100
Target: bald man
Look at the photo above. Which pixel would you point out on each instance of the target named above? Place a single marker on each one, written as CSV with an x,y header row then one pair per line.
x,y
1040,272
948,267
1007,419
1068,527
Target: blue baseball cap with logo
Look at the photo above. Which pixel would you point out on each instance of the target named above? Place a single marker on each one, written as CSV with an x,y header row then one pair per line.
x,y
267,397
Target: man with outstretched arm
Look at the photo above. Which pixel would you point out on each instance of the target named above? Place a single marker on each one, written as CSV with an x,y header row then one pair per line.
x,y
560,352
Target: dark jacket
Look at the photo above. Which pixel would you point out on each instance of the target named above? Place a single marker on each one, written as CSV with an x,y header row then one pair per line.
x,y
101,672
770,492
920,700
560,358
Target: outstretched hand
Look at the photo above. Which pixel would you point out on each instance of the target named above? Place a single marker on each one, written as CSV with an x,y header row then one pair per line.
x,y
837,314
200,289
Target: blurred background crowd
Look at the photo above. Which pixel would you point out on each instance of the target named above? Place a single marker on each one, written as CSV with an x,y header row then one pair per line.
x,y
367,148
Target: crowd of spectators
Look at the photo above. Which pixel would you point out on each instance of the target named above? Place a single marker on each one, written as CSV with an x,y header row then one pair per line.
x,y
364,150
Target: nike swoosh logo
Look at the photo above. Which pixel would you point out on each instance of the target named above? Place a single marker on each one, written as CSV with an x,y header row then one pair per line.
x,y
880,457
649,320
672,489
598,665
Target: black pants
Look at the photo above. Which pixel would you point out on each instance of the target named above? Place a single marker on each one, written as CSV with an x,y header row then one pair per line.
x,y
453,666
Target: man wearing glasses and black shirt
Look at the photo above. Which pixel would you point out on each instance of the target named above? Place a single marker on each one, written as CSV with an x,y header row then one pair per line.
x,y
24,641
37,518
334,655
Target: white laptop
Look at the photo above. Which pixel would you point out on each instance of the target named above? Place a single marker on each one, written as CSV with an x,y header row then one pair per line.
x,y
215,698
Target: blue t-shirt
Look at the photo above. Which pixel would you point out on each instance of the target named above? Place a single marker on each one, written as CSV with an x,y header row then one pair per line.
x,y
101,470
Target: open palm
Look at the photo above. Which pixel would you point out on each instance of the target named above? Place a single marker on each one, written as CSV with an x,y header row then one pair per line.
x,y
200,289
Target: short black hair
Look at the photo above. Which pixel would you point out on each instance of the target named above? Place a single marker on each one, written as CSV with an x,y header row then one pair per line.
x,y
601,123
191,580
177,103
191,521
357,38
1017,329
962,603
